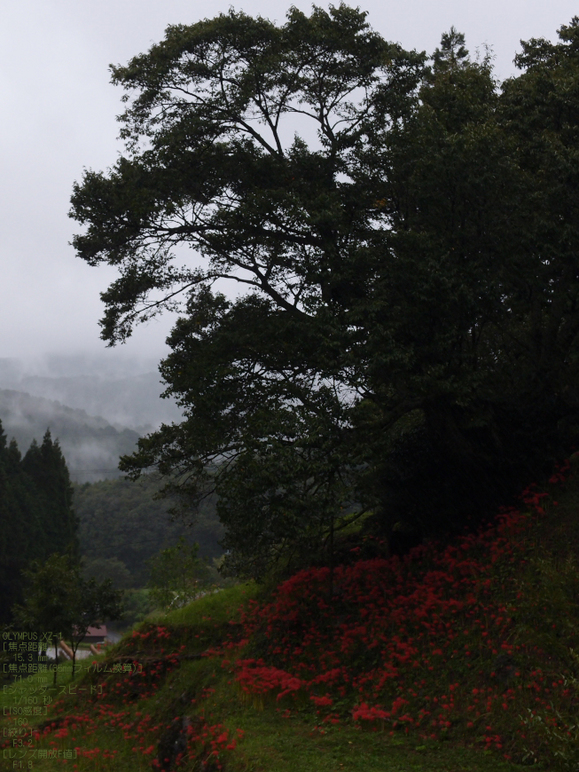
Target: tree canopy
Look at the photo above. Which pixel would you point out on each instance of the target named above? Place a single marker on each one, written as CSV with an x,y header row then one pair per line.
x,y
401,234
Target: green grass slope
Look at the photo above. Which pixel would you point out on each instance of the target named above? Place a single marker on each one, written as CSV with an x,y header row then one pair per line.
x,y
460,657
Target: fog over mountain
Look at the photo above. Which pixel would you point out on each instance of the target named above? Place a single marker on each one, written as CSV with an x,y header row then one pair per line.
x,y
126,392
91,446
97,407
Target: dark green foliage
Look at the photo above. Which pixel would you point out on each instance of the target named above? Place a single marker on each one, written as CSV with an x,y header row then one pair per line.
x,y
46,467
408,341
59,601
136,606
111,568
21,526
36,515
177,575
121,521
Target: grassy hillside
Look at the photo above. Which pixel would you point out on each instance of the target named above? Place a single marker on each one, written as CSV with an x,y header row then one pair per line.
x,y
460,657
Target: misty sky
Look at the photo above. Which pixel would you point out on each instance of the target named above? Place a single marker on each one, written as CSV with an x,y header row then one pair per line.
x,y
59,116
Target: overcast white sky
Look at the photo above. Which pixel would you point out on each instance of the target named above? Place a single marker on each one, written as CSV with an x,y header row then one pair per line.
x,y
59,116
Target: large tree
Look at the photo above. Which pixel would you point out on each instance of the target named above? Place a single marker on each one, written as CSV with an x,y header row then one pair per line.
x,y
378,216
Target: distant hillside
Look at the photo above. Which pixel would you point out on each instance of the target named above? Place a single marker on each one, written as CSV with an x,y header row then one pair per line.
x,y
123,393
129,401
91,445
121,521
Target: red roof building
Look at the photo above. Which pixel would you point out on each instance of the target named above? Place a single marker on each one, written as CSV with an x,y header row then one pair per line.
x,y
95,634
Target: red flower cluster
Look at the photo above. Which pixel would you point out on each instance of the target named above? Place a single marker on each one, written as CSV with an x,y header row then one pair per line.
x,y
378,644
257,678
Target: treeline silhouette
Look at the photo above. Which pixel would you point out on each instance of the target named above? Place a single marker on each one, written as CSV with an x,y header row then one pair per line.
x,y
36,513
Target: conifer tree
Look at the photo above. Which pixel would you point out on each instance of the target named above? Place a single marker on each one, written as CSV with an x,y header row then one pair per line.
x,y
20,524
46,467
36,515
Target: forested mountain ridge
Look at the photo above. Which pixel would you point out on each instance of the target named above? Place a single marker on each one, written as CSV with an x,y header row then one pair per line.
x,y
90,444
